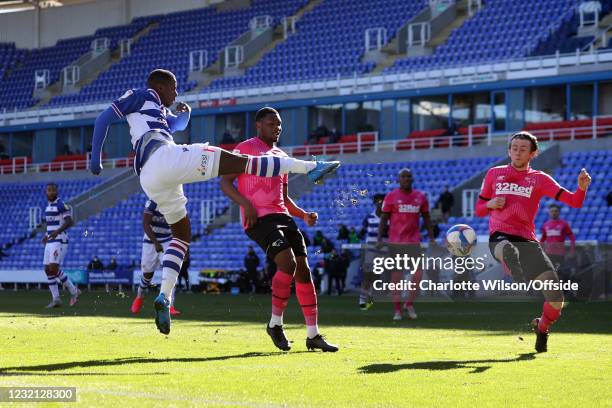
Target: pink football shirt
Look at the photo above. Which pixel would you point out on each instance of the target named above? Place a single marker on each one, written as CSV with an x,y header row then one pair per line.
x,y
523,191
554,233
405,210
265,193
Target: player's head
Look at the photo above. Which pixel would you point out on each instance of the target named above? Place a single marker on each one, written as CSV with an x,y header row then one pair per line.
x,y
163,82
404,178
268,124
554,211
378,201
51,191
522,149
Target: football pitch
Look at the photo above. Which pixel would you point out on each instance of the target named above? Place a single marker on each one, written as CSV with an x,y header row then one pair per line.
x,y
218,354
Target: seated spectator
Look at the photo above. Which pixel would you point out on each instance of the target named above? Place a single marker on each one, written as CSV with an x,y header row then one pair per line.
x,y
326,246
95,264
343,233
112,265
318,238
353,237
334,137
609,199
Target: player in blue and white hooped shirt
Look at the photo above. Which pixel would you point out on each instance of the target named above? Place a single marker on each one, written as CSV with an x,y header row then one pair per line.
x,y
58,218
154,244
370,229
163,166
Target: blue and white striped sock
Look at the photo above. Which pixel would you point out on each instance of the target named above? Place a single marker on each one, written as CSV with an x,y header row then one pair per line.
x,y
64,280
52,281
272,166
144,283
171,265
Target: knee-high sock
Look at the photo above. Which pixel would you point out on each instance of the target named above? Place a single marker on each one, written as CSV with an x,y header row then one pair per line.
x,y
171,265
549,316
65,280
307,297
144,283
396,295
52,281
416,280
281,291
272,166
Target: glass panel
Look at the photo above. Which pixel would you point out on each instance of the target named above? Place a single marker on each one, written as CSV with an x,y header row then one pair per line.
x,y
4,146
386,126
545,104
430,113
402,110
470,109
499,110
230,128
323,120
605,98
582,101
22,144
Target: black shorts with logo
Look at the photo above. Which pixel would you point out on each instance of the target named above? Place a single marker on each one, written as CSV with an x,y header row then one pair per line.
x,y
532,257
275,233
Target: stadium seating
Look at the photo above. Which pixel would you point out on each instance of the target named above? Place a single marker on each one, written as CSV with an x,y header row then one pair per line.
x,y
18,86
501,30
345,199
169,44
539,27
18,198
331,23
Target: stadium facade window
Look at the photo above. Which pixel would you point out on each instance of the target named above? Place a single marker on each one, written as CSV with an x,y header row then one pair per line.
x,y
387,122
22,143
605,98
430,112
500,111
581,101
362,117
324,119
546,104
469,109
69,141
402,118
5,145
232,124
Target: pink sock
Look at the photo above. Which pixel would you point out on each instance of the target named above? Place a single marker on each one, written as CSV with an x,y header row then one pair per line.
x,y
396,295
281,290
307,297
549,316
416,280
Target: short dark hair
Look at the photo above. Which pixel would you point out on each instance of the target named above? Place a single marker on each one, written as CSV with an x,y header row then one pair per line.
x,y
160,76
52,184
553,205
378,197
523,135
263,112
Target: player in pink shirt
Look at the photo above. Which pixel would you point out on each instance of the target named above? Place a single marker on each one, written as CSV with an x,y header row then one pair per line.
x,y
401,211
554,233
267,212
511,195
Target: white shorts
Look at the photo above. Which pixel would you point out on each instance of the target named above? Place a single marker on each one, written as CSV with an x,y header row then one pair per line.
x,y
55,253
151,259
164,173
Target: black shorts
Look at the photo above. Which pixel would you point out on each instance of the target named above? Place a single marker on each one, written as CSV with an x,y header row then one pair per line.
x,y
532,257
275,233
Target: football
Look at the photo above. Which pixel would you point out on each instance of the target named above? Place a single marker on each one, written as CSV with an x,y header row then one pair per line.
x,y
460,240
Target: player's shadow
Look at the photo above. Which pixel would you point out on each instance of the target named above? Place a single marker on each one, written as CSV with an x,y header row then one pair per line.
x,y
46,368
443,365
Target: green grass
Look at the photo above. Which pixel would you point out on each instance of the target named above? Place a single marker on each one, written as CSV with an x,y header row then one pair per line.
x,y
465,354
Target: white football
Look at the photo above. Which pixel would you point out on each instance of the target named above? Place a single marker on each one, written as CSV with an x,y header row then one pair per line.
x,y
460,240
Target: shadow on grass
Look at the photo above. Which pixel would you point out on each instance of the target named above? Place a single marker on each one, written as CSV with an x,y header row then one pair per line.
x,y
337,311
48,369
442,365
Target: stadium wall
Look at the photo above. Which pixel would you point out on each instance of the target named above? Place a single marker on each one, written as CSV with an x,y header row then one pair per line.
x,y
43,28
